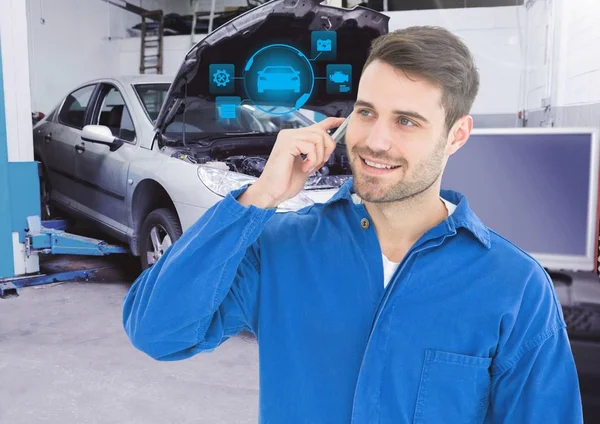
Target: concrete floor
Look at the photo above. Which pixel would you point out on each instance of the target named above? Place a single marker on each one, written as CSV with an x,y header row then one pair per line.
x,y
65,359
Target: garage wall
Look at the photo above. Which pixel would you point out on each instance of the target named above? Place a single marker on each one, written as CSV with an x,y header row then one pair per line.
x,y
220,5
578,88
492,34
568,75
175,48
72,41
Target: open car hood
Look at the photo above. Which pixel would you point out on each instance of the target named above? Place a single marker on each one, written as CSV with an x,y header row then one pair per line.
x,y
239,43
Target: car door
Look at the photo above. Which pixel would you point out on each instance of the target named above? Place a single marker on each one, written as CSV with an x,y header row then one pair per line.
x,y
102,173
60,139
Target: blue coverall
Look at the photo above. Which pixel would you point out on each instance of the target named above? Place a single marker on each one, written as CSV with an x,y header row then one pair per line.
x,y
469,329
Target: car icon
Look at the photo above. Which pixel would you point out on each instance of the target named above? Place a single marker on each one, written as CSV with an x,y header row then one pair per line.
x,y
278,78
339,77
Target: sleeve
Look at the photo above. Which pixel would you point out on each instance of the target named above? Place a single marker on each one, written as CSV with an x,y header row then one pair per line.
x,y
534,378
203,290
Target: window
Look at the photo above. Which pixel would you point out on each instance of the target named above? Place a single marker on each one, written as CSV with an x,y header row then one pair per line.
x,y
75,106
152,97
52,115
115,115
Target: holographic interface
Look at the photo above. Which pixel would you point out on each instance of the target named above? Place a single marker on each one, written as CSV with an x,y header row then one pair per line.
x,y
279,75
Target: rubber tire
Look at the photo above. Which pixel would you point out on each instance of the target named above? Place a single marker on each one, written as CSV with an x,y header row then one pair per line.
x,y
168,219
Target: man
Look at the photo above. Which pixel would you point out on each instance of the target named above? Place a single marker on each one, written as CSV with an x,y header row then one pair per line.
x,y
389,303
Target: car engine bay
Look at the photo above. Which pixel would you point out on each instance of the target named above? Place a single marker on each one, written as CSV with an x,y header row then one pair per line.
x,y
249,157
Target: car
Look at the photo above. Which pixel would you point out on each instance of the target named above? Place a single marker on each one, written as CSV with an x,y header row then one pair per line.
x,y
144,157
278,78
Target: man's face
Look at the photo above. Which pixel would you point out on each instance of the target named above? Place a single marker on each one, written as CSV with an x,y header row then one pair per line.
x,y
397,122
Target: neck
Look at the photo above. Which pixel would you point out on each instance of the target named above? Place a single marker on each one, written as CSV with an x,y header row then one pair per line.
x,y
400,224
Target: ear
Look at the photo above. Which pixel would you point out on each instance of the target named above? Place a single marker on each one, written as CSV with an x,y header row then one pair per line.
x,y
459,134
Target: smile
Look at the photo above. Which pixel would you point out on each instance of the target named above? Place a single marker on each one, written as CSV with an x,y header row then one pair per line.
x,y
376,167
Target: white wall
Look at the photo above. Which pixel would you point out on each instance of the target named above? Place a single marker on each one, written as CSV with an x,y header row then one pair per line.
x,y
564,63
492,35
14,82
175,48
579,81
72,41
540,53
220,5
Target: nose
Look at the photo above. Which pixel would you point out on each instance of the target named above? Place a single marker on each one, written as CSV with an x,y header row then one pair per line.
x,y
380,137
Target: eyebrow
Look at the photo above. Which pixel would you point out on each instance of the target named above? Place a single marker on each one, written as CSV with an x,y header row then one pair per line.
x,y
409,113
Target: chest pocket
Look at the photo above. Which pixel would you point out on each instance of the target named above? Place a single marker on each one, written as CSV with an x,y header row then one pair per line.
x,y
454,389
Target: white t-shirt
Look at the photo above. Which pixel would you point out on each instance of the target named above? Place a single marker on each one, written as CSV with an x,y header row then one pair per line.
x,y
389,267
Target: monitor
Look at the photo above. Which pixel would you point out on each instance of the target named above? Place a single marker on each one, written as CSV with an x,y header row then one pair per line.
x,y
537,187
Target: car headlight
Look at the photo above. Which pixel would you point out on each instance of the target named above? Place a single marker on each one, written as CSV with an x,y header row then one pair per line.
x,y
221,182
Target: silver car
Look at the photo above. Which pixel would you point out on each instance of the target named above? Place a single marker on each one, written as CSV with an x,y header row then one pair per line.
x,y
145,156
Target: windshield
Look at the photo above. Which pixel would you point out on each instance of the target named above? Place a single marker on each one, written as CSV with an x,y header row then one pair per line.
x,y
279,70
202,118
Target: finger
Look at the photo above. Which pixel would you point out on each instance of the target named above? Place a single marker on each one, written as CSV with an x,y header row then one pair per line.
x,y
329,123
320,148
309,149
317,139
330,146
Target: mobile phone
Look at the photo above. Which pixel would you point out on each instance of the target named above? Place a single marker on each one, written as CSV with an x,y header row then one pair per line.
x,y
338,135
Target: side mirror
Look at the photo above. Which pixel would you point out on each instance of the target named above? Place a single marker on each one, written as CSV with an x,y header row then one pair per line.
x,y
101,134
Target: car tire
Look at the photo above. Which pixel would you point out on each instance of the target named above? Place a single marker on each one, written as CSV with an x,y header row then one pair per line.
x,y
160,229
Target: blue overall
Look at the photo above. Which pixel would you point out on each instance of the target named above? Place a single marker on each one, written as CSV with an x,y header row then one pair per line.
x,y
469,329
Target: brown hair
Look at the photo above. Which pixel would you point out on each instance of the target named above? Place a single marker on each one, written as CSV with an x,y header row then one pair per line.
x,y
439,56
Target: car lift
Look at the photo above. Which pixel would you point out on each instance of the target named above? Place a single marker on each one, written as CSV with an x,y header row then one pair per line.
x,y
49,238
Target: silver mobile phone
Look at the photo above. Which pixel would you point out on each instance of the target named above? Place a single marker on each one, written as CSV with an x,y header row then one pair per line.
x,y
338,135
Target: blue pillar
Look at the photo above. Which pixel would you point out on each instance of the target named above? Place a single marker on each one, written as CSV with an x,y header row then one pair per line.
x,y
6,246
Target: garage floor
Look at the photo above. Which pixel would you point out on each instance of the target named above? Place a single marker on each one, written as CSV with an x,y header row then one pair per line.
x,y
65,359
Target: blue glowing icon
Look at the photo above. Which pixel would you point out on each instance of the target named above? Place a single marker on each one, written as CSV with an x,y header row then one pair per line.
x,y
278,78
227,106
323,45
221,78
339,79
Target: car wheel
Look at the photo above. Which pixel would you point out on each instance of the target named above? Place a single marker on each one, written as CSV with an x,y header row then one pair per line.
x,y
159,231
47,212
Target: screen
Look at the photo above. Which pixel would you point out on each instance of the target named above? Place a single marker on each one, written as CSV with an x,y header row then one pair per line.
x,y
533,189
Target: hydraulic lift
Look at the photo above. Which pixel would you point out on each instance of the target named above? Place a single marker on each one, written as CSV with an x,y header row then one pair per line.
x,y
23,236
49,238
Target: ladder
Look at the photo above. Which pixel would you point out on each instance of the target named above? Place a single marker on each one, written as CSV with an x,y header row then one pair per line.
x,y
151,54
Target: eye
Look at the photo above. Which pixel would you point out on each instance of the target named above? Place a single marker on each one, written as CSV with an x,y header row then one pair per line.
x,y
406,122
364,112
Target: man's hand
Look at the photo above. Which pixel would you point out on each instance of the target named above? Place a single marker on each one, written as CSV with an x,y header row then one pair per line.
x,y
286,173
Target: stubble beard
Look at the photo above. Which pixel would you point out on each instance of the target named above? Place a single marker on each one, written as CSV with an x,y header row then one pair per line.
x,y
373,189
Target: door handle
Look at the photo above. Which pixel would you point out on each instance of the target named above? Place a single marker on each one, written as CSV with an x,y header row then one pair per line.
x,y
79,149
48,137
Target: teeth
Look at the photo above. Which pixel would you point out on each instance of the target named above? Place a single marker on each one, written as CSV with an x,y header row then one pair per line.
x,y
377,165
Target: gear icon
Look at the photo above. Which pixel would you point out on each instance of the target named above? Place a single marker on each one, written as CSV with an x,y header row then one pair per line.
x,y
221,77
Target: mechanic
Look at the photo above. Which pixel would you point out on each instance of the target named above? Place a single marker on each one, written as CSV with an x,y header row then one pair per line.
x,y
391,302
